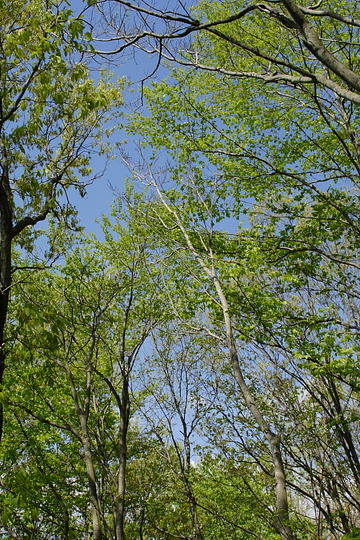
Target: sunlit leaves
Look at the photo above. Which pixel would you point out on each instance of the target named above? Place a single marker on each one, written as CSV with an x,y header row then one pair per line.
x,y
52,113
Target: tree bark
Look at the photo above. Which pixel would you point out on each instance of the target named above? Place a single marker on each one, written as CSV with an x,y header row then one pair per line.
x,y
186,481
5,262
281,522
121,481
83,415
315,45
94,499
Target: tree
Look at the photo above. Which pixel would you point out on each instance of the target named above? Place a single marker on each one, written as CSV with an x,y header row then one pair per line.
x,y
292,344
221,492
302,56
51,114
73,386
269,138
283,158
173,408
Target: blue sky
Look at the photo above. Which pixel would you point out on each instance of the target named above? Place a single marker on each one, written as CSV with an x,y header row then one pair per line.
x,y
100,193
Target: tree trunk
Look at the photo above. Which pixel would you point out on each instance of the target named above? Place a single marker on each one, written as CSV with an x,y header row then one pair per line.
x,y
193,511
94,499
5,264
186,481
83,416
281,521
121,482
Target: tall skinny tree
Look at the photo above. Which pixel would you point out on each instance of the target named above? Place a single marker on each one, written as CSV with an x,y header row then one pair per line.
x,y
50,115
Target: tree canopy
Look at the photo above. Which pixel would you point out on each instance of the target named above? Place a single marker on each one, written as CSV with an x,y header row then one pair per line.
x,y
196,373
51,113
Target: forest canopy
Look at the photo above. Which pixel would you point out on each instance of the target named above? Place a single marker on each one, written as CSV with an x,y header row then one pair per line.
x,y
193,373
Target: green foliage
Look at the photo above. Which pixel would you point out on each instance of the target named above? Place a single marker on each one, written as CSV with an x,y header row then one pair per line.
x,y
281,161
52,114
355,533
89,320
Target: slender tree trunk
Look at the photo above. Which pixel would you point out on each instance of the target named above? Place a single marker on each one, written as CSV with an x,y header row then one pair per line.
x,y
94,499
5,264
188,488
193,510
63,506
83,415
5,281
345,434
121,481
281,522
